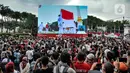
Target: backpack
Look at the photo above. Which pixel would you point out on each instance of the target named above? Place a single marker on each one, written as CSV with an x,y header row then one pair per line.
x,y
64,71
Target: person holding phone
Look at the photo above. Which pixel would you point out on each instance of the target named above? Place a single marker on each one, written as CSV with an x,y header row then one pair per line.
x,y
107,67
64,64
44,69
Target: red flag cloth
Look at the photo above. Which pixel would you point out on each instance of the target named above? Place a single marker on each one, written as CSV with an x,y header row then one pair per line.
x,y
67,14
117,34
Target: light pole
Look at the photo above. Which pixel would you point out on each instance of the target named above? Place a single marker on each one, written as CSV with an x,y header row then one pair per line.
x,y
123,26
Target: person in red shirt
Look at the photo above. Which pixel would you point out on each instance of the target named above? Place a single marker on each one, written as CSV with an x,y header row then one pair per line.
x,y
47,27
80,65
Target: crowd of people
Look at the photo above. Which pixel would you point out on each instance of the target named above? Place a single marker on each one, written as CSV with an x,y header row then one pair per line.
x,y
64,55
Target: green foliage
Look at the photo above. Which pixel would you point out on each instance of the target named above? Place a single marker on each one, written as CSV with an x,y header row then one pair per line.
x,y
12,19
93,22
54,26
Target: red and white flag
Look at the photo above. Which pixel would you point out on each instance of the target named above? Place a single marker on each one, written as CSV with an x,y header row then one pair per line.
x,y
67,18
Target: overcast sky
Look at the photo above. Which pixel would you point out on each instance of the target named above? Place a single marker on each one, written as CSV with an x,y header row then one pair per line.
x,y
104,9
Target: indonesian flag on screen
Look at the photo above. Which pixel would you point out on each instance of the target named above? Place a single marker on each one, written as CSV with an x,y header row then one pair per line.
x,y
67,18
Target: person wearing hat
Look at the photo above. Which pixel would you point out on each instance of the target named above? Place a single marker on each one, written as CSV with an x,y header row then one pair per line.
x,y
24,65
90,59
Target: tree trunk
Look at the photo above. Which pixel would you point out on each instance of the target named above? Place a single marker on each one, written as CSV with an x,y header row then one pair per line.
x,y
2,24
1,30
15,25
2,27
7,30
14,30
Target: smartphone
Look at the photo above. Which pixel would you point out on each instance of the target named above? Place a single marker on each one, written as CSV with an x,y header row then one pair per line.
x,y
122,59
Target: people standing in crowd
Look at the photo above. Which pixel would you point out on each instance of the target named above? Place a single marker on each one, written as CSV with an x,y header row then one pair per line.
x,y
4,61
24,65
3,53
35,57
80,65
10,68
64,64
44,69
72,55
29,54
17,56
90,59
54,59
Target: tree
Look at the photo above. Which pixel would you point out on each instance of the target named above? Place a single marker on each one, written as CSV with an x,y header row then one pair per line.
x,y
12,19
35,27
54,26
24,16
4,12
93,22
17,16
118,26
8,19
110,26
122,25
31,23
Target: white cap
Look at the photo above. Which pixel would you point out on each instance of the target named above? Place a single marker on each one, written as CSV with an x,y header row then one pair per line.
x,y
90,56
106,51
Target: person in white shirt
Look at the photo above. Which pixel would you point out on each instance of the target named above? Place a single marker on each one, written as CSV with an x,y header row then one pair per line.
x,y
40,28
29,54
